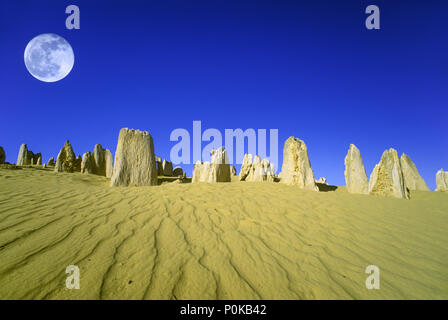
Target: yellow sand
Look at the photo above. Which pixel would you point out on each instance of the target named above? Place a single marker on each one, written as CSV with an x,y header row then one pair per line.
x,y
236,240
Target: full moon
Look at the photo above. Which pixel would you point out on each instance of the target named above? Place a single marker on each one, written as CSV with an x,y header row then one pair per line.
x,y
49,57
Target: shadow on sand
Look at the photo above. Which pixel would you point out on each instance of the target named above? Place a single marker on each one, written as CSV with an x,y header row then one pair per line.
x,y
325,187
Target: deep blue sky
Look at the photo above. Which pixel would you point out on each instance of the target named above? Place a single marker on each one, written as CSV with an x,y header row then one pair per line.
x,y
308,68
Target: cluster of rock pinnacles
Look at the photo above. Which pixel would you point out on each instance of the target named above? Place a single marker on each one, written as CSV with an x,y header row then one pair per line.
x,y
137,165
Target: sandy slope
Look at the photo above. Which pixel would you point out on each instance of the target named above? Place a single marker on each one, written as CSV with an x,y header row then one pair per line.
x,y
233,240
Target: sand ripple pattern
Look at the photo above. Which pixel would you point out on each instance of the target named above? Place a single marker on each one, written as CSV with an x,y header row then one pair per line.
x,y
237,240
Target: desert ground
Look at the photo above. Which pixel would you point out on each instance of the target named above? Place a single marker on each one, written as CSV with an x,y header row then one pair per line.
x,y
238,240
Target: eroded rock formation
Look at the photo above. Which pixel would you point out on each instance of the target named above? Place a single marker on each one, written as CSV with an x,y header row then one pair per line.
x,y
159,165
27,157
66,160
87,163
167,168
355,174
99,160
411,175
2,156
218,170
245,166
296,168
135,163
109,163
442,181
258,170
387,177
322,180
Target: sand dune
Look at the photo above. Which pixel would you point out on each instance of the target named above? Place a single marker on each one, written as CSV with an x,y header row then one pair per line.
x,y
239,240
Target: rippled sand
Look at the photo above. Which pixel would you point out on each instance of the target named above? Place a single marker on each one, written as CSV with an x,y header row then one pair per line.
x,y
235,240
